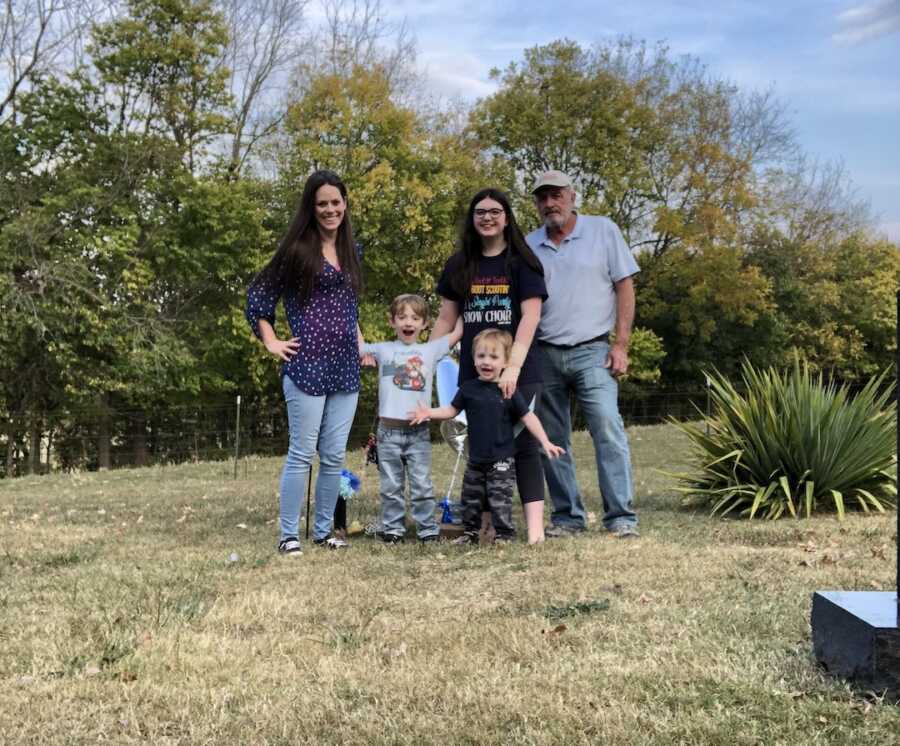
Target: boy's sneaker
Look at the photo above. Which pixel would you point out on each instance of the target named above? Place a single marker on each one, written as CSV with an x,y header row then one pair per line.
x,y
392,539
432,539
290,545
626,531
332,542
504,539
465,539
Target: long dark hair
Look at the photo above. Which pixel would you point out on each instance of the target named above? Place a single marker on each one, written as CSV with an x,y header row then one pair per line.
x,y
298,258
471,244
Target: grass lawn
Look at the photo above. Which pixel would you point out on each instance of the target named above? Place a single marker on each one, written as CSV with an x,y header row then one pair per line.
x,y
150,606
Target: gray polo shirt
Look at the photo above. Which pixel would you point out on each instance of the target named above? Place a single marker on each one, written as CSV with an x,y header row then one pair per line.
x,y
581,300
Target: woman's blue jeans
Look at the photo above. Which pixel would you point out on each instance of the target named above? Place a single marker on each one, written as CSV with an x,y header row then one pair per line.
x,y
317,423
580,370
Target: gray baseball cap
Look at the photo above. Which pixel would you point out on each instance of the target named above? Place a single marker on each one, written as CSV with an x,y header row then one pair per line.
x,y
551,179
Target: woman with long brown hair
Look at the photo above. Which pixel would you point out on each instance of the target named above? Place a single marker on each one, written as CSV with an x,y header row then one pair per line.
x,y
496,281
317,274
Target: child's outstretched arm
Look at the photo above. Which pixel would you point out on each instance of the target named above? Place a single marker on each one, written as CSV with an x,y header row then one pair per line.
x,y
422,413
535,427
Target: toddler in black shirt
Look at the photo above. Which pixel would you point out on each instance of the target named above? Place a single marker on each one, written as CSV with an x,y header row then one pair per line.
x,y
490,472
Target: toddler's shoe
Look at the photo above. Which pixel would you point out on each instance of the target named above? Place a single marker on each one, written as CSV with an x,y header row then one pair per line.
x,y
466,539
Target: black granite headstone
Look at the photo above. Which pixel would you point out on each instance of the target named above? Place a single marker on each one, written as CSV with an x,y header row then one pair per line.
x,y
856,635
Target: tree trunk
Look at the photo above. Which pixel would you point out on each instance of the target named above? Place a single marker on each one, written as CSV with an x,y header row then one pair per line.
x,y
10,450
34,446
103,437
49,448
139,440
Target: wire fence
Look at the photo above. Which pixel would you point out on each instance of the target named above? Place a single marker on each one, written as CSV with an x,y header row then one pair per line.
x,y
90,439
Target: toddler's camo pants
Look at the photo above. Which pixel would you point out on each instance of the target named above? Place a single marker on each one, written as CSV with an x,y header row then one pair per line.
x,y
489,487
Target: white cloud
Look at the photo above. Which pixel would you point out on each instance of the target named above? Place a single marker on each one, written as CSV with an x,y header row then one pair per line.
x,y
458,75
869,21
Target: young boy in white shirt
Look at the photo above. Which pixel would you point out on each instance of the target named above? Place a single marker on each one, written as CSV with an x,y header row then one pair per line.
x,y
405,376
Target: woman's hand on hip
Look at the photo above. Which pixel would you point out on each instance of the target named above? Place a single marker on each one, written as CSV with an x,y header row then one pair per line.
x,y
284,349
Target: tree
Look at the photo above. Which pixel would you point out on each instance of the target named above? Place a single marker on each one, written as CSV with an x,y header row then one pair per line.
x,y
265,38
355,35
663,149
160,60
810,202
38,38
121,267
834,300
709,308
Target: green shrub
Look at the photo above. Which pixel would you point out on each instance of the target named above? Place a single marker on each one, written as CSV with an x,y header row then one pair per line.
x,y
791,444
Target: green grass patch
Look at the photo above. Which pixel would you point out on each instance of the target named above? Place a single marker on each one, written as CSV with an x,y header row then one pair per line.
x,y
555,613
150,606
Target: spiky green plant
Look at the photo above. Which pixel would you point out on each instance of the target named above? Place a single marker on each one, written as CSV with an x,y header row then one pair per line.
x,y
792,444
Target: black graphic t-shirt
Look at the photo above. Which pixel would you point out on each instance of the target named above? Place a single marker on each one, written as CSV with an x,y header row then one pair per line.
x,y
494,302
490,419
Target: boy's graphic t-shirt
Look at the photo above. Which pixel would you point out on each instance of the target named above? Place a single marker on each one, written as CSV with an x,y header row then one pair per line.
x,y
493,302
405,374
491,419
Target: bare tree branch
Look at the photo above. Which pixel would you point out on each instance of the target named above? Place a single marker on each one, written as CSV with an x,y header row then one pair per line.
x,y
265,40
358,33
36,38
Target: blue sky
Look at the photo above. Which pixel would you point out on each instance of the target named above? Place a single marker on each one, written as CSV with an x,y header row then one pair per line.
x,y
836,63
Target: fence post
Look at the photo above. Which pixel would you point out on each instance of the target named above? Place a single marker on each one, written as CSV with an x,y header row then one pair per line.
x,y
237,436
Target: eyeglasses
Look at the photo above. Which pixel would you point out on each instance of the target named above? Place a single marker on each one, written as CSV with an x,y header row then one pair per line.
x,y
494,212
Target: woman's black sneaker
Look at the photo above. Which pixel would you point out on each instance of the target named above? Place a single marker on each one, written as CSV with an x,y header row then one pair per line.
x,y
332,542
290,545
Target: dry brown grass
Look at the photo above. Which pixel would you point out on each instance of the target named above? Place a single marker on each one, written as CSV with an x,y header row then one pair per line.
x,y
122,620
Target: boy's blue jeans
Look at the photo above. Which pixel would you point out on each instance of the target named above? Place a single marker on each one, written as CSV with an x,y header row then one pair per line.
x,y
316,423
405,452
580,370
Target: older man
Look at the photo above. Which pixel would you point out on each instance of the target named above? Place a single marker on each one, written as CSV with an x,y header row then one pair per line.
x,y
587,269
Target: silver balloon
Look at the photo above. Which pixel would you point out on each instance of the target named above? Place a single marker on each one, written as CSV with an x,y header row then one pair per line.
x,y
454,433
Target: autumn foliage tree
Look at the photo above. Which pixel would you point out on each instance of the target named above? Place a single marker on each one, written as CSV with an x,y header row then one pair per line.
x,y
143,185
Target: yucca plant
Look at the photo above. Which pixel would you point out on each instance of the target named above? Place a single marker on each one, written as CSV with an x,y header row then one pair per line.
x,y
792,444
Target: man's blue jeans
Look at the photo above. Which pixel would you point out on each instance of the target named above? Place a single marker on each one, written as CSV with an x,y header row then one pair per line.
x,y
316,423
580,370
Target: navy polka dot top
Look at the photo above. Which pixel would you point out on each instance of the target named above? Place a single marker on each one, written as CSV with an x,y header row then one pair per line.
x,y
325,325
